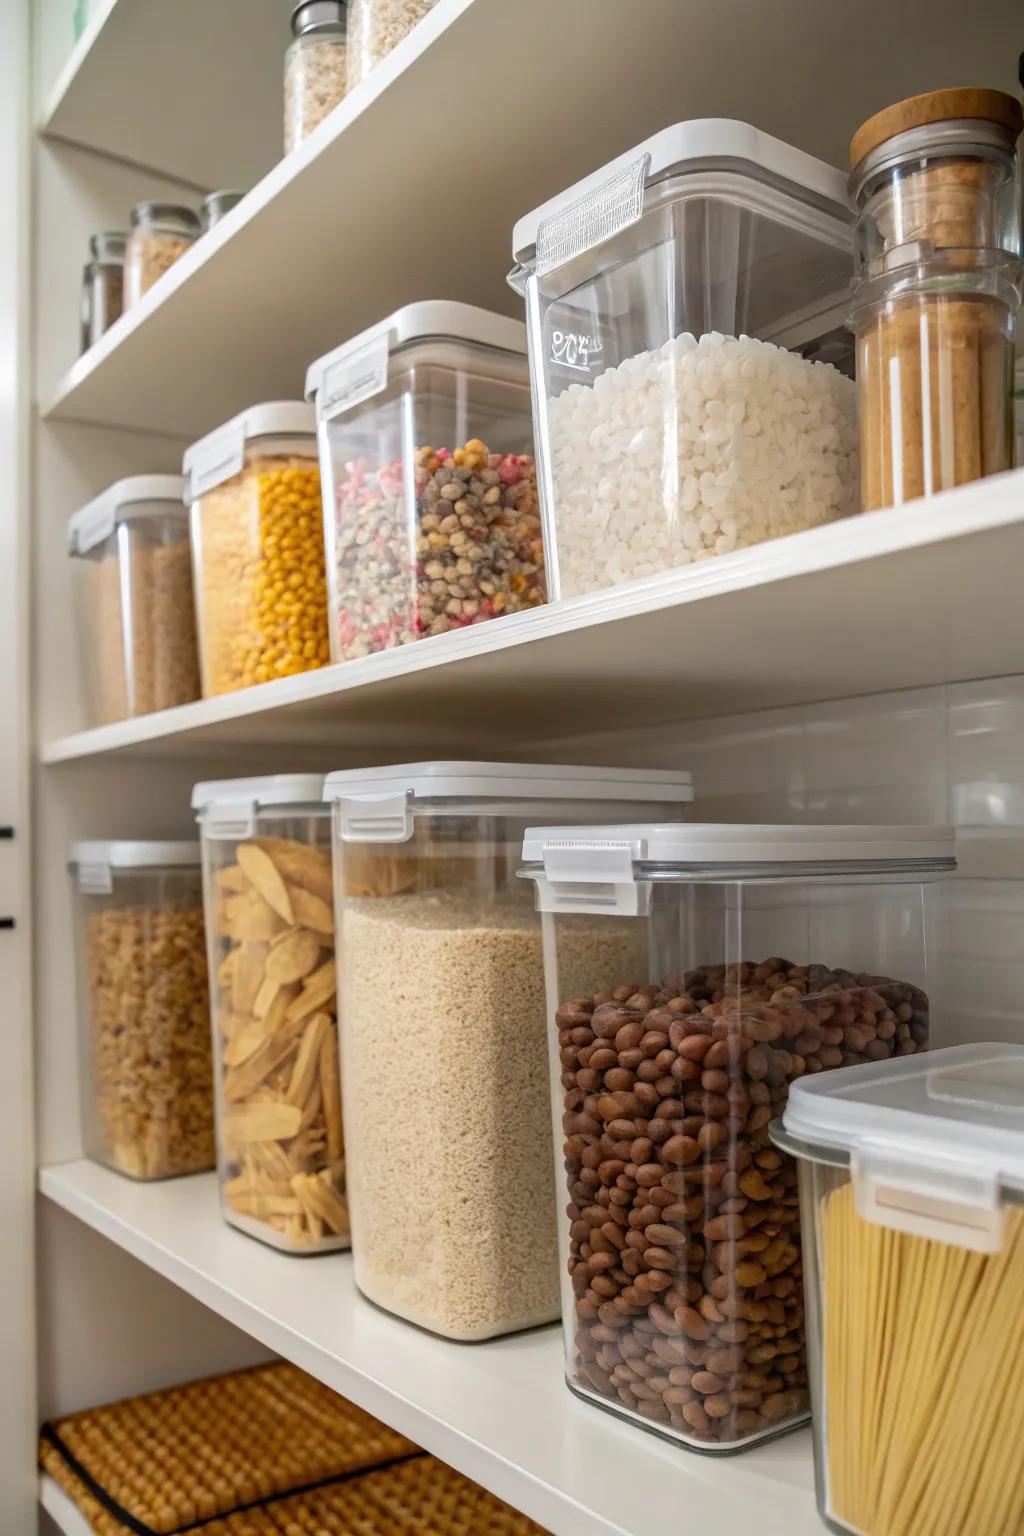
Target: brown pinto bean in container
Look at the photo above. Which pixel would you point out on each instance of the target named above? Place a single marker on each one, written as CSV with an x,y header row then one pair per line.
x,y
442,1021
762,953
934,184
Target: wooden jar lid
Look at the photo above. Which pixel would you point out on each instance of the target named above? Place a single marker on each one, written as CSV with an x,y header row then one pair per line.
x,y
936,107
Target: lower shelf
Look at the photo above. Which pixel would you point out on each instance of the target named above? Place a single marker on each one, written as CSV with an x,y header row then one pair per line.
x,y
65,1516
498,1412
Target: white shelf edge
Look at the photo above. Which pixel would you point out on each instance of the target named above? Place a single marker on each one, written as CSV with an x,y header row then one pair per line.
x,y
76,60
968,510
62,1511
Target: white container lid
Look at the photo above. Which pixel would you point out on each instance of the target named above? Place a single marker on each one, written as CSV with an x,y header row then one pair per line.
x,y
126,501
934,1141
94,863
227,808
358,369
703,143
378,804
737,846
220,455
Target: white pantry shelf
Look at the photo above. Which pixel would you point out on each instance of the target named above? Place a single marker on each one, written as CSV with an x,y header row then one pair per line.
x,y
192,90
498,1412
925,594
409,190
65,1515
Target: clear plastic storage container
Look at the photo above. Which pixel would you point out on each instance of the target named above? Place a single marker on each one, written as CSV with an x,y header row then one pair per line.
x,y
375,27
258,546
911,1188
315,71
102,285
134,597
426,453
145,1075
662,295
733,960
935,184
270,931
442,1028
161,232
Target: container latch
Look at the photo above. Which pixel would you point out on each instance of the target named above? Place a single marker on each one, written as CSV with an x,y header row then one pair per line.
x,y
351,380
94,878
230,822
595,217
385,819
219,457
593,876
942,1199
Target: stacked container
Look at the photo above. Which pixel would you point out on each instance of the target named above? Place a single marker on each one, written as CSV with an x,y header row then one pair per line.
x,y
144,1028
426,456
442,1011
134,597
911,1187
934,181
662,293
734,960
270,932
258,546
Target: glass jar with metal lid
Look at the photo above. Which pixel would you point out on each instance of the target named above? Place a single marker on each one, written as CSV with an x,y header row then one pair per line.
x,y
216,205
315,68
102,285
161,232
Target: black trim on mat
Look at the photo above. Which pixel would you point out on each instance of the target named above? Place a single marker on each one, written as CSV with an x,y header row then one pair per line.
x,y
127,1519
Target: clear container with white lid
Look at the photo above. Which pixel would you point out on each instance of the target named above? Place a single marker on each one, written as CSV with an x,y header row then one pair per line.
x,y
134,599
442,1030
258,545
145,1074
270,934
911,1188
747,957
668,297
426,454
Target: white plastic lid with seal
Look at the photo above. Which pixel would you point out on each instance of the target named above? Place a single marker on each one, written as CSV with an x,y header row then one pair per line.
x,y
597,207
611,869
934,1143
126,501
95,863
220,455
378,804
227,809
358,369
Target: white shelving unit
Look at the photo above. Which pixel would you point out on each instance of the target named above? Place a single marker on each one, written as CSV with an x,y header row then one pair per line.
x,y
409,190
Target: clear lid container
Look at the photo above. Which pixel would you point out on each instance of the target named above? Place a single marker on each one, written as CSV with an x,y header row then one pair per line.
x,y
662,293
145,1076
133,589
426,455
911,1187
694,974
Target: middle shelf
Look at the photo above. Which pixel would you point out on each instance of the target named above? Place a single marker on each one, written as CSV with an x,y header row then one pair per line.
x,y
498,1412
922,595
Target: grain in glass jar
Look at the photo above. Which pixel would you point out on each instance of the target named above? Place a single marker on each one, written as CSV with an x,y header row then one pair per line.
x,y
216,205
315,68
258,547
102,285
161,232
375,27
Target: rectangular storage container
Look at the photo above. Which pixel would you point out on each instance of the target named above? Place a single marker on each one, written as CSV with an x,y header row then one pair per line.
x,y
258,545
270,933
145,1076
133,580
676,300
911,1187
426,454
733,960
442,1010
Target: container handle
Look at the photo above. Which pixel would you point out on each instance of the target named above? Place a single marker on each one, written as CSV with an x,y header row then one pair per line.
x,y
945,1201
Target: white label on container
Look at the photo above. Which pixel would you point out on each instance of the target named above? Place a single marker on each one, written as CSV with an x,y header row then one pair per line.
x,y
92,528
593,218
351,380
219,458
95,879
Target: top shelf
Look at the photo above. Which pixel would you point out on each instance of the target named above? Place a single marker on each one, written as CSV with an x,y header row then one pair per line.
x,y
410,189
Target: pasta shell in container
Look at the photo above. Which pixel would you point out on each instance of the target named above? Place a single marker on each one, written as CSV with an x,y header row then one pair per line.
x,y
912,1195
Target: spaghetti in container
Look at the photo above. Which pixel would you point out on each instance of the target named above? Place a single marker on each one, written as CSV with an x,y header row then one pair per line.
x,y
911,1194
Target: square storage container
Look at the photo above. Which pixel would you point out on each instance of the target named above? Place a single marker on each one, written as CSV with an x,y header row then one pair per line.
x,y
133,591
426,454
442,1009
675,302
911,1188
270,934
258,545
145,1074
733,960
